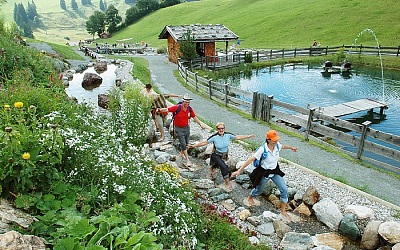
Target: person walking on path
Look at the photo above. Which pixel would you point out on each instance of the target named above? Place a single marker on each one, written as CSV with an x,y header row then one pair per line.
x,y
159,118
182,114
268,155
221,141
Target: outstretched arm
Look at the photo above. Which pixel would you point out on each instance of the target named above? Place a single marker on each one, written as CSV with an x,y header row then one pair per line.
x,y
199,144
174,95
242,137
199,122
247,162
294,149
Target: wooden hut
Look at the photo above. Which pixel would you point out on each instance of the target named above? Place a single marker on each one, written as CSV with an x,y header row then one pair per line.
x,y
205,37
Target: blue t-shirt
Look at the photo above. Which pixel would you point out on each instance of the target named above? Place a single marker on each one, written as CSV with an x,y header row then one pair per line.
x,y
221,143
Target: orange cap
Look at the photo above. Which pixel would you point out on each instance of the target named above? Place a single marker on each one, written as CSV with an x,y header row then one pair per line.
x,y
272,135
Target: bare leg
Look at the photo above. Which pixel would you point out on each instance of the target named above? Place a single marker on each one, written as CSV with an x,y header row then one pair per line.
x,y
283,211
228,185
162,134
188,163
212,173
251,200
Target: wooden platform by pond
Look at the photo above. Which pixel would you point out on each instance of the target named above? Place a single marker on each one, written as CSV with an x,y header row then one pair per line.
x,y
348,108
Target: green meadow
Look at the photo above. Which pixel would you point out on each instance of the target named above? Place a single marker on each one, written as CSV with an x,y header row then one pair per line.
x,y
258,23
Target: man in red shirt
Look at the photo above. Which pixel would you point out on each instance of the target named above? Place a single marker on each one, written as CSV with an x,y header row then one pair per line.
x,y
181,123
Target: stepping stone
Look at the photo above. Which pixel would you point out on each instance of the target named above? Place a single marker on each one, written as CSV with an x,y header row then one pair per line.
x,y
256,202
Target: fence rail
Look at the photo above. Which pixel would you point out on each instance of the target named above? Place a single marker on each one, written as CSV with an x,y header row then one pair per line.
x,y
234,59
266,108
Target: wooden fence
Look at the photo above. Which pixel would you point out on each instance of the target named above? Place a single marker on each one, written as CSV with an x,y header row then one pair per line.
x,y
265,108
231,60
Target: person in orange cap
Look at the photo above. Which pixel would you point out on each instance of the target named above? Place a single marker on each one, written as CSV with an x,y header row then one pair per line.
x,y
268,155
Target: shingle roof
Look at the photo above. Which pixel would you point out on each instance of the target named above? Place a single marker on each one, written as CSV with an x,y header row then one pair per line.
x,y
201,33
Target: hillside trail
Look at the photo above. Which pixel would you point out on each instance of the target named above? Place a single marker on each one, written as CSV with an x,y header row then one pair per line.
x,y
377,183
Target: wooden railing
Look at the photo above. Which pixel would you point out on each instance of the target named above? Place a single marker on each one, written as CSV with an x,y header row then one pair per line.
x,y
264,107
230,60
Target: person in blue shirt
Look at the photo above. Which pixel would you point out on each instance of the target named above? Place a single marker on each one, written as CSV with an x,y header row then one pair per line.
x,y
221,141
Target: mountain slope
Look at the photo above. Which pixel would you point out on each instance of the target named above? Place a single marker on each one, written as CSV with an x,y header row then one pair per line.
x,y
258,23
280,23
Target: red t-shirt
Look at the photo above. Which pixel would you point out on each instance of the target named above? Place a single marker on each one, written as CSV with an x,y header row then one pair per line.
x,y
181,119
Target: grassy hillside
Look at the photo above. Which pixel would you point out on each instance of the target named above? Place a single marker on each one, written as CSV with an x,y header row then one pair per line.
x,y
280,23
258,23
58,23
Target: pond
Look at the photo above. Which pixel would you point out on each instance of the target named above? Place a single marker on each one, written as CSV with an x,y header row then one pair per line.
x,y
76,90
306,86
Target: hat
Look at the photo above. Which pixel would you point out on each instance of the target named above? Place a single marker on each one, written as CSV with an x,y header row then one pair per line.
x,y
272,135
186,98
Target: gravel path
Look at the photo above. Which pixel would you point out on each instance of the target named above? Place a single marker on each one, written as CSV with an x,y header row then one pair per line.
x,y
309,158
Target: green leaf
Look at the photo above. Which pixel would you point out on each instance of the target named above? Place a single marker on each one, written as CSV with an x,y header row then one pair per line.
x,y
99,234
49,197
81,229
136,238
123,236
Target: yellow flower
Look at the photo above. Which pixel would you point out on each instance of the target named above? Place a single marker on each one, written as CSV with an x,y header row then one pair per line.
x,y
26,156
18,104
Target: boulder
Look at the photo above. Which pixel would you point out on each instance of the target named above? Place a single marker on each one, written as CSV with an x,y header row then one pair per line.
x,y
91,81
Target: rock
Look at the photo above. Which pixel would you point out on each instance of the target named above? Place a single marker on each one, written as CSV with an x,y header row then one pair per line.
x,y
361,212
14,241
333,240
370,237
348,227
390,231
311,196
303,209
244,214
328,213
296,241
281,228
103,101
100,67
266,228
91,81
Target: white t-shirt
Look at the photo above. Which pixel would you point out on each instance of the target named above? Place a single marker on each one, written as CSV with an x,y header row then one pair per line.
x,y
272,158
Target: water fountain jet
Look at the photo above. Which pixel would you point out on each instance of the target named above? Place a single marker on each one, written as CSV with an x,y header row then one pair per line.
x,y
379,53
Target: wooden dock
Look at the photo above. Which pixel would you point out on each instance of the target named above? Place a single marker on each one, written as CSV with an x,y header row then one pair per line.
x,y
348,108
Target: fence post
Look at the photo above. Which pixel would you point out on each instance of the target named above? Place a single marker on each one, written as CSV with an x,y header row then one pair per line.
x,y
186,75
269,108
310,50
398,50
226,94
309,121
209,87
197,81
258,56
360,49
362,138
283,53
270,54
254,104
326,50
295,52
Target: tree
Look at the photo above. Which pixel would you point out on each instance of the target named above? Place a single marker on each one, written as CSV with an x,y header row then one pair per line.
x,y
96,23
74,5
131,15
187,47
112,19
31,11
101,6
63,5
147,6
167,3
